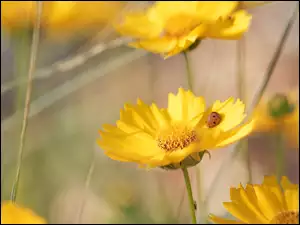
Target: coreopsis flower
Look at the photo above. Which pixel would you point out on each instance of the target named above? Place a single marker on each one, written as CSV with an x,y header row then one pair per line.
x,y
267,203
176,135
14,214
171,27
279,114
60,18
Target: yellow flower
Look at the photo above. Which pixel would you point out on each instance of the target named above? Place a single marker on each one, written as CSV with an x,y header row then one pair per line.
x,y
263,204
169,28
60,17
14,214
280,113
153,137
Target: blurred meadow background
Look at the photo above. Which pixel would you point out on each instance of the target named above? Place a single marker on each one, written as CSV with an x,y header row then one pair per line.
x,y
82,80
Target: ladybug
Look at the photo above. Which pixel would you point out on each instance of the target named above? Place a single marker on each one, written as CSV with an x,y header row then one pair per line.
x,y
213,120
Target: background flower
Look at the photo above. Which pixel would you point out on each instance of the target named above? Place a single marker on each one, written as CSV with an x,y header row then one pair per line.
x,y
60,18
169,28
279,114
263,204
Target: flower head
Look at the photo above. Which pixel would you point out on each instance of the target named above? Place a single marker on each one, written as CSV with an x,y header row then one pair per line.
x,y
279,113
263,204
14,214
169,28
151,136
59,17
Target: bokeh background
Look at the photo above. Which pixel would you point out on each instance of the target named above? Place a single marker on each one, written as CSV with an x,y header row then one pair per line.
x,y
71,101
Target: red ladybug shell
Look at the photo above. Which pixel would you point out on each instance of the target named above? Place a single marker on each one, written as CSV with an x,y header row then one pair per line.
x,y
213,120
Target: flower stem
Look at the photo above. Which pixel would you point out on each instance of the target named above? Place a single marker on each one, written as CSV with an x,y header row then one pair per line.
x,y
86,186
190,194
275,57
279,146
32,62
189,71
201,206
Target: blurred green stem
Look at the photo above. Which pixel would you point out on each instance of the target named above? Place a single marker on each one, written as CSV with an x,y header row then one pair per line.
x,y
188,71
86,187
32,62
242,92
275,57
190,194
280,160
257,97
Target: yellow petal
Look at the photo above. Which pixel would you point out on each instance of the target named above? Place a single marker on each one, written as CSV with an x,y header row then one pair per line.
x,y
232,113
139,25
185,42
178,155
17,13
271,183
14,214
292,199
241,212
290,128
219,220
252,205
165,10
263,122
267,202
185,106
291,193
235,134
232,27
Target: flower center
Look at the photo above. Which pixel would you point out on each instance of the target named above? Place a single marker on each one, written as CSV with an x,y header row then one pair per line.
x,y
175,138
287,217
180,25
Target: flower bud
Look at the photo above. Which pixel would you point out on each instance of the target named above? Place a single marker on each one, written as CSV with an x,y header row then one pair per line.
x,y
279,106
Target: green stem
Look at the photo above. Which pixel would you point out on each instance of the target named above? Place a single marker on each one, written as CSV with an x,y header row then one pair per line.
x,y
201,206
190,194
189,71
279,146
275,57
32,62
86,187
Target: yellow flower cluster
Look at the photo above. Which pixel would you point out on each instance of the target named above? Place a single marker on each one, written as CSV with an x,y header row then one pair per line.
x,y
14,214
268,203
170,27
60,17
152,136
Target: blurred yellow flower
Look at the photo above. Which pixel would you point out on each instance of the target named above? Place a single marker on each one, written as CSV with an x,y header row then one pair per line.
x,y
14,214
60,17
153,137
263,204
170,27
280,113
